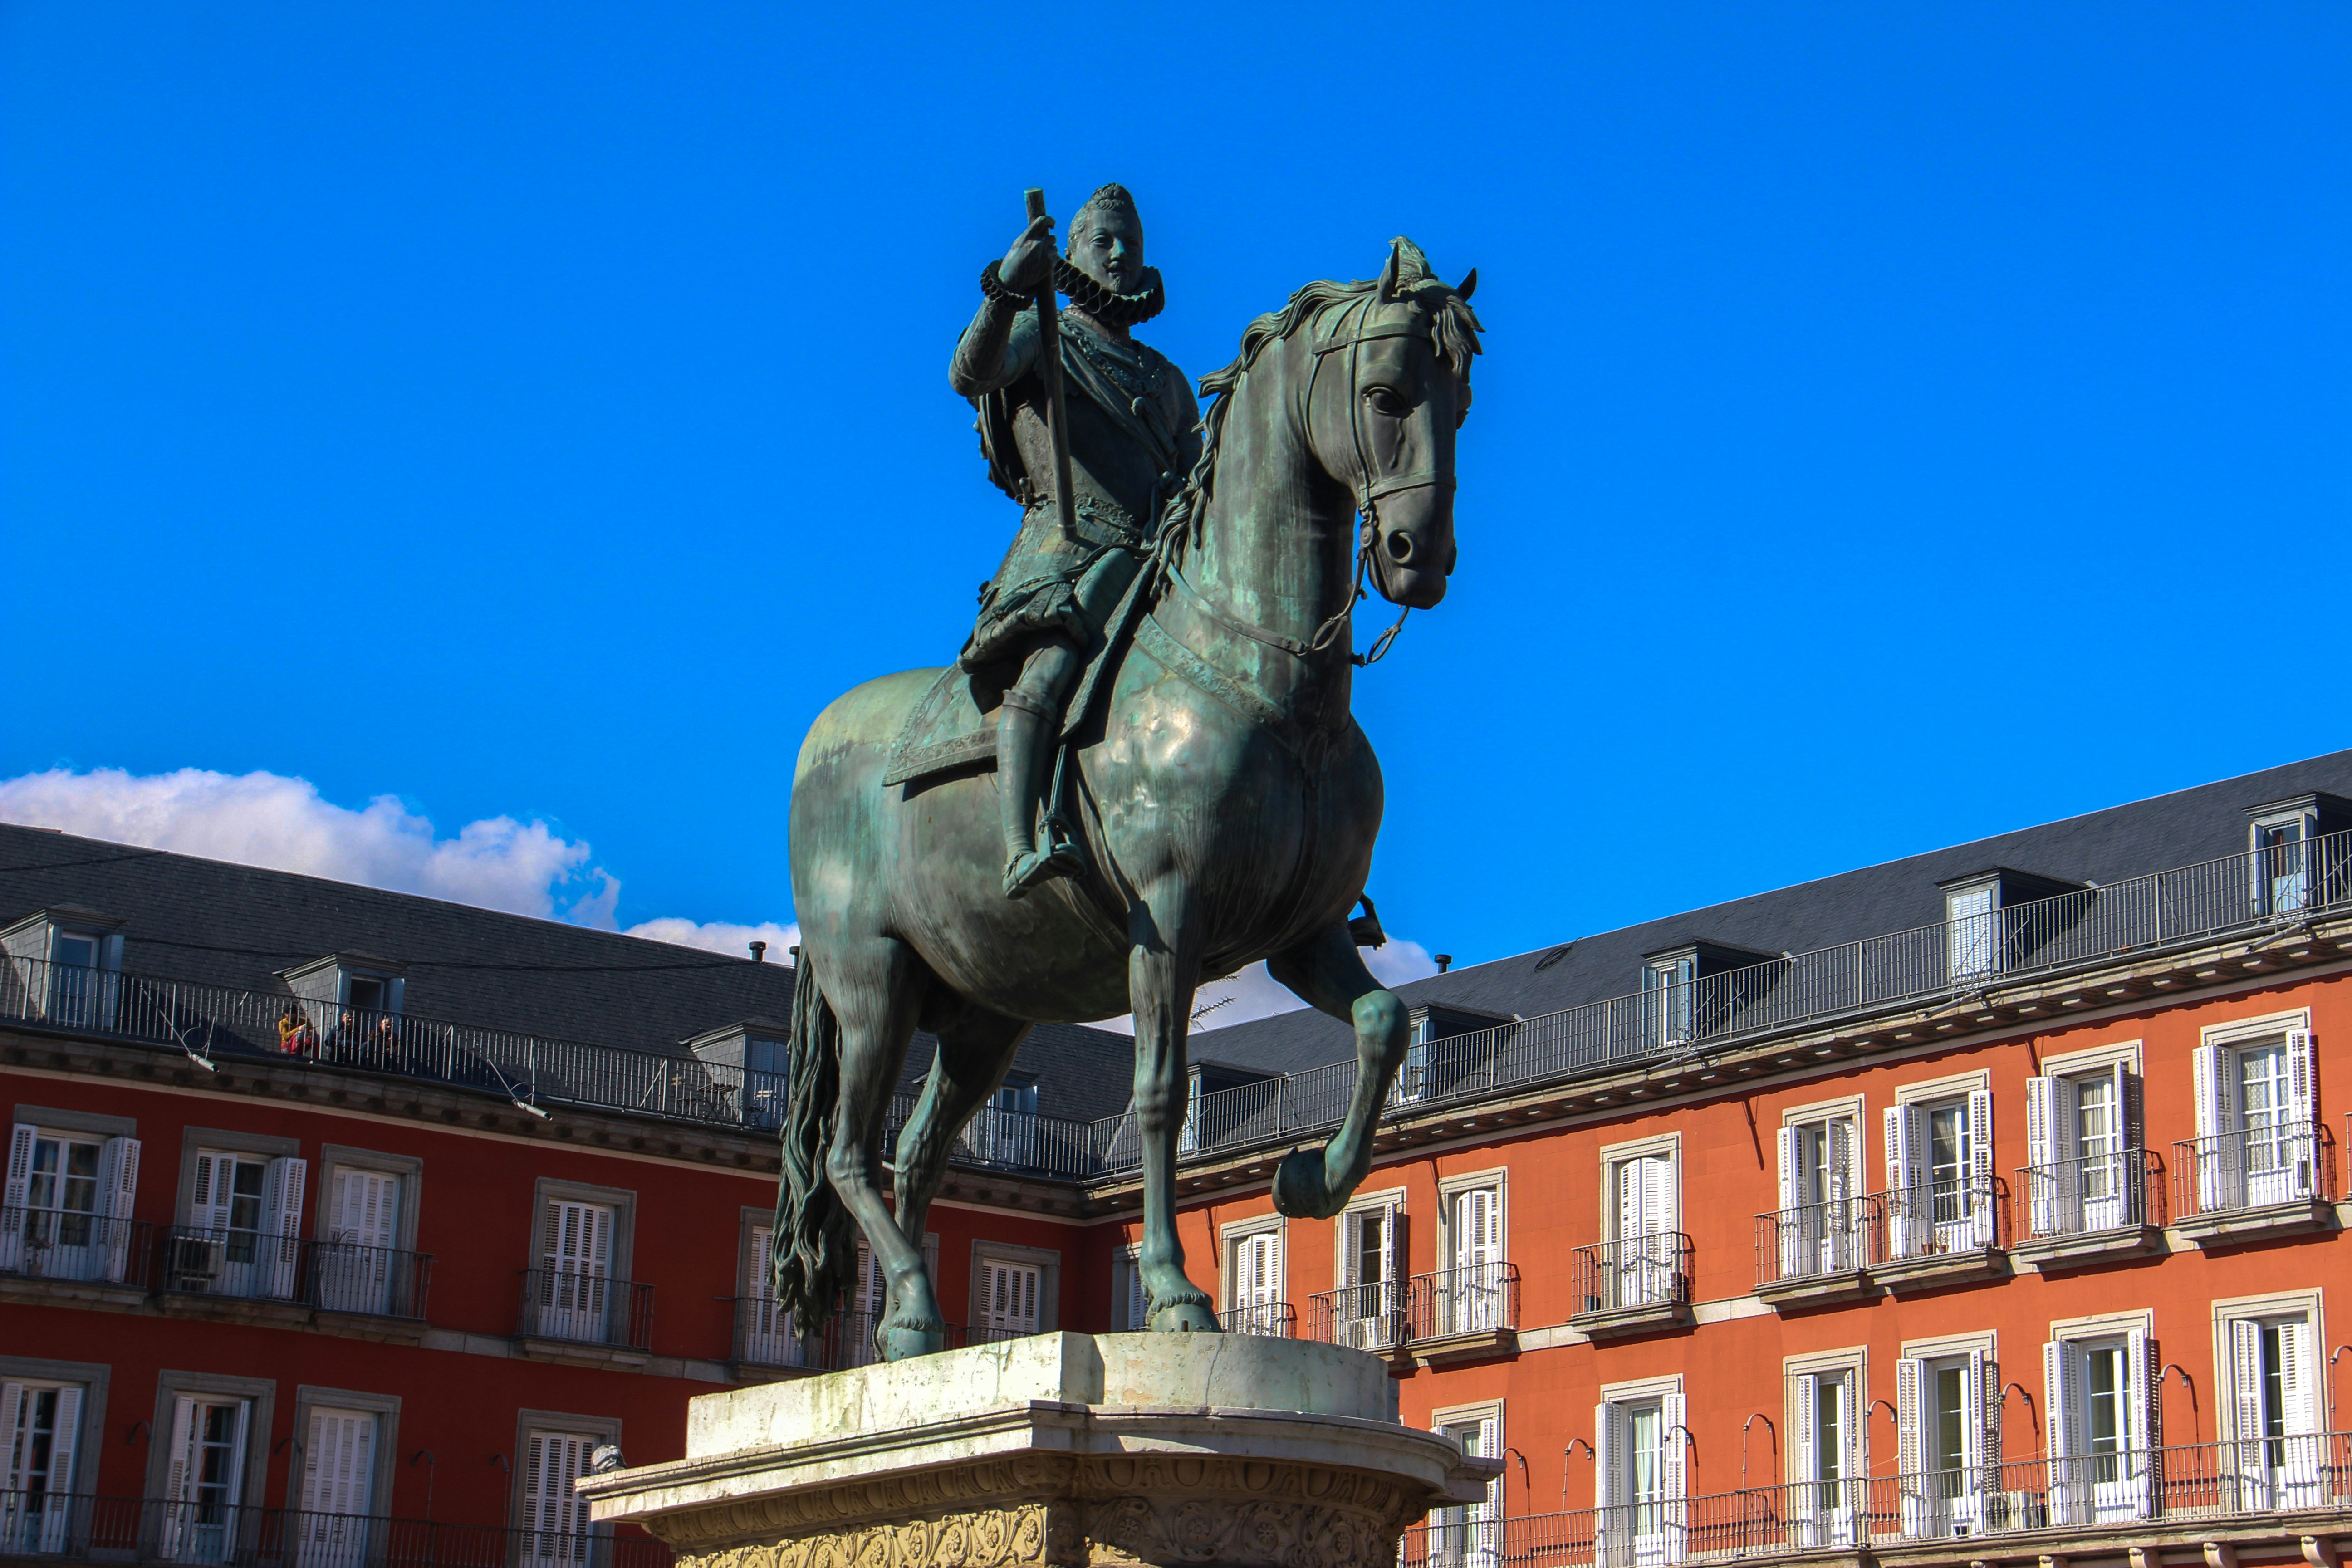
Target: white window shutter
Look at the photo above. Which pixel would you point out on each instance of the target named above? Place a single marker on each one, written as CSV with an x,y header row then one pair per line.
x,y
2130,1119
1980,1146
1907,1436
1988,1405
14,1409
1629,1199
1673,1446
118,1190
1791,1180
20,1164
1841,1160
2302,1100
1608,1457
62,1444
2298,1380
208,1200
758,1273
2041,1147
2150,1372
2246,1376
2214,1068
282,1223
1666,1214
2139,1390
1853,1421
1906,1139
2062,1395
1804,1390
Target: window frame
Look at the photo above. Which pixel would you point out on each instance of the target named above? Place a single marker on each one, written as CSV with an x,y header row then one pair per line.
x,y
1850,1361
260,1393
1230,1238
384,1408
2309,1304
1046,1260
408,1168
595,1428
93,1376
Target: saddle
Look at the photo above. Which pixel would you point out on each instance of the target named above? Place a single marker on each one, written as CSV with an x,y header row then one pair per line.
x,y
953,728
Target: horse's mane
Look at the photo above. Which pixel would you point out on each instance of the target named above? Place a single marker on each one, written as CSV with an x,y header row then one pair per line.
x,y
1454,328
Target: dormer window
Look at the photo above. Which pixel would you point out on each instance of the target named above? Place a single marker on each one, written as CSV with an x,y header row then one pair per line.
x,y
752,1067
1699,987
1666,984
2285,872
70,961
1989,927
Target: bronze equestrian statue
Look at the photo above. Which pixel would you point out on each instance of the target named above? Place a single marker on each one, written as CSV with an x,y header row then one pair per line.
x,y
1212,802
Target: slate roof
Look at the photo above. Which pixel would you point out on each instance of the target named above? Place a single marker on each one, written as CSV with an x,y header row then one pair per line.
x,y
215,923
2188,826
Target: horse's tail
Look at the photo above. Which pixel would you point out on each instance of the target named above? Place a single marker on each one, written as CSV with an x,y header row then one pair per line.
x,y
815,1247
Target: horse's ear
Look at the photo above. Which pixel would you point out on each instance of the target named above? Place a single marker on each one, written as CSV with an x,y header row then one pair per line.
x,y
1469,284
1389,273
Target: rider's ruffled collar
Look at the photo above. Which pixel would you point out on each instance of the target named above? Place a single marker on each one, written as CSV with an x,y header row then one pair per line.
x,y
1117,310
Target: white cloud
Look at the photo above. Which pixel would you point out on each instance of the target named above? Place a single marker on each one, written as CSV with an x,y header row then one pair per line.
x,y
267,819
1255,993
719,936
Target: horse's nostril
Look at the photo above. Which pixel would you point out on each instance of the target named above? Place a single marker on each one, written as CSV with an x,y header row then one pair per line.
x,y
1399,544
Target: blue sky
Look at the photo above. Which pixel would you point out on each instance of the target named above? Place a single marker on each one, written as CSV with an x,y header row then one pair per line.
x,y
1899,424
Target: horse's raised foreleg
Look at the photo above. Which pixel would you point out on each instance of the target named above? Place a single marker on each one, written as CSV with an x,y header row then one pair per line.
x,y
1162,967
1327,972
974,1051
876,989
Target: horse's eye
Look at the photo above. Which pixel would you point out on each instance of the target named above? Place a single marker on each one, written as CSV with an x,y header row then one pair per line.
x,y
1385,401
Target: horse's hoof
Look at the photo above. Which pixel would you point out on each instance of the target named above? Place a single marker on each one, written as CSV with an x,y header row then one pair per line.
x,y
1298,1189
904,1342
1185,1318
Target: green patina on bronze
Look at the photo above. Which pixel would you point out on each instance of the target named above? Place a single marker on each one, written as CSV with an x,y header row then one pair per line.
x,y
1188,618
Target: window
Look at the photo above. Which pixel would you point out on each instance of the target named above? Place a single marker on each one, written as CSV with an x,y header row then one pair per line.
x,y
1471,1535
1006,1299
70,961
1826,1465
1004,1130
2256,1113
1370,1315
2287,868
1818,1224
573,1289
1642,1267
1947,1428
764,1332
2083,1149
1255,1283
1969,947
338,1482
1666,995
1131,1299
2274,1415
40,1427
204,1490
1941,1196
555,1517
1639,1458
67,1209
243,1229
2098,1390
1471,1297
360,1263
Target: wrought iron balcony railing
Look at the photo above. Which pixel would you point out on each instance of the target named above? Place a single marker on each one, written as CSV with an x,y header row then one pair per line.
x,y
586,1308
81,1527
1651,1270
2285,1163
54,1244
330,1276
2145,916
2091,1493
1362,1317
1482,1297
1937,1218
1273,1320
1816,1240
2092,1193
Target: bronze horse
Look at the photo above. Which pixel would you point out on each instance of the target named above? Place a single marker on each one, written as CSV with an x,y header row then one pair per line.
x,y
1225,800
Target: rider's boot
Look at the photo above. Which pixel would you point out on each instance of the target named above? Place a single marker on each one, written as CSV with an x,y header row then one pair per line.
x,y
1024,753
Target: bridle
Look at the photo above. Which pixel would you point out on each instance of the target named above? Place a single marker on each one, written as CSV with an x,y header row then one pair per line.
x,y
1367,489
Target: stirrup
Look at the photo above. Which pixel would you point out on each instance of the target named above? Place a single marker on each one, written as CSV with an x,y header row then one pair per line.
x,y
1041,865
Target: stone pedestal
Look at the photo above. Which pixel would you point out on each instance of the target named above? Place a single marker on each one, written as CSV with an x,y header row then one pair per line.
x,y
1208,1450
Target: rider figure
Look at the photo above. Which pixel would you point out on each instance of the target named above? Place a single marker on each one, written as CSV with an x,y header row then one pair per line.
x,y
1133,438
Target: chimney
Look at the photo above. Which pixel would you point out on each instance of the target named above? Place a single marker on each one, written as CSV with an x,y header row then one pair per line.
x,y
1444,961
758,953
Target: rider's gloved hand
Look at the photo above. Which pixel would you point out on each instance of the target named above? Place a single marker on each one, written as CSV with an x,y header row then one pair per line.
x,y
1029,265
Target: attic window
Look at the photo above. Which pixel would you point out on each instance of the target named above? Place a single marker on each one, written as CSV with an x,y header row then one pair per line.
x,y
353,982
69,963
2284,870
1999,919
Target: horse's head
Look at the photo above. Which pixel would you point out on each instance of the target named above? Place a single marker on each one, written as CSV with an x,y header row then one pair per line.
x,y
1392,367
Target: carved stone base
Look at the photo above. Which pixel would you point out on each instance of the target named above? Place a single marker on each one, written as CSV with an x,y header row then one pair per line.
x,y
1062,1449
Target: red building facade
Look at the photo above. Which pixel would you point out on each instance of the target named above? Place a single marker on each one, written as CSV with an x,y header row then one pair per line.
x,y
1981,1206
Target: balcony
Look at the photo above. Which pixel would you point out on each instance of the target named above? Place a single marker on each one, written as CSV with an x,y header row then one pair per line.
x,y
1273,1320
374,1292
1458,1314
1636,1286
2254,1184
585,1318
2268,1495
53,1254
1361,1317
85,1528
1818,1254
2099,1208
1942,1233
